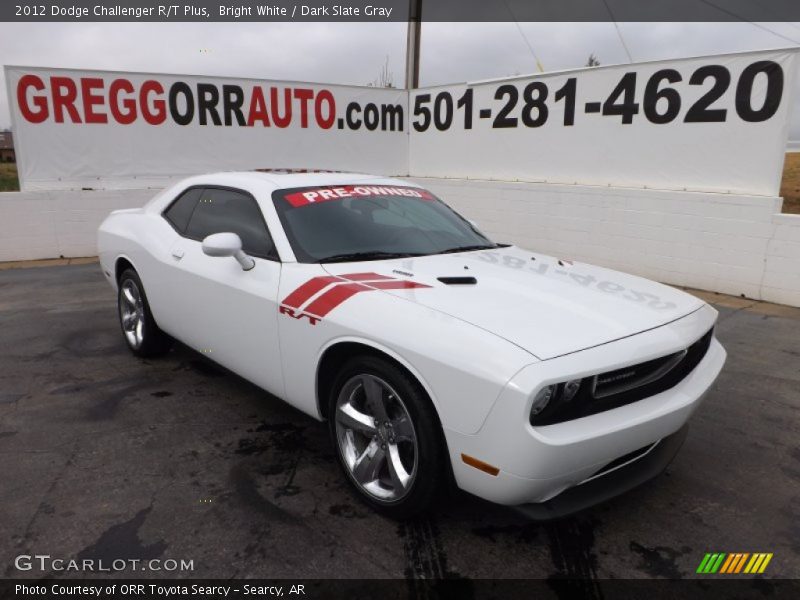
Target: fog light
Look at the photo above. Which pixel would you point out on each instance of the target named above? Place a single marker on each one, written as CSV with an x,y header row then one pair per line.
x,y
542,399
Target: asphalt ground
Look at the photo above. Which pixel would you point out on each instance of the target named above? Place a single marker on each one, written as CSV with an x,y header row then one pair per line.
x,y
106,456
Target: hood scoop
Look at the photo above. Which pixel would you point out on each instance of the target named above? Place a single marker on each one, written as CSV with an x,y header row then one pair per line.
x,y
458,280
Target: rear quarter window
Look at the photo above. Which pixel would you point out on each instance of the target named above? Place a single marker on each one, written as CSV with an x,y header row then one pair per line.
x,y
180,211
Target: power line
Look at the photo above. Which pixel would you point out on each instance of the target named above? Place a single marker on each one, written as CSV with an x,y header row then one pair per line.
x,y
619,33
759,25
524,37
771,11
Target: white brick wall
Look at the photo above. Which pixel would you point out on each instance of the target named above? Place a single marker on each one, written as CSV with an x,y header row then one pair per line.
x,y
724,243
59,223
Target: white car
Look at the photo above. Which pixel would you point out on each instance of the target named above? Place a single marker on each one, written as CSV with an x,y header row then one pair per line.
x,y
435,354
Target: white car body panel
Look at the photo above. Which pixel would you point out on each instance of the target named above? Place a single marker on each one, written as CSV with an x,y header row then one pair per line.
x,y
230,318
480,351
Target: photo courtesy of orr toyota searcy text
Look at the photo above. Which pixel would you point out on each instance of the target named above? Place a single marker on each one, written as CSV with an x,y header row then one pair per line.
x,y
153,590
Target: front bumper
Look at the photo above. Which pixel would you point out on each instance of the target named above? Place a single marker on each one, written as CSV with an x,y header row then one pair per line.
x,y
536,464
611,484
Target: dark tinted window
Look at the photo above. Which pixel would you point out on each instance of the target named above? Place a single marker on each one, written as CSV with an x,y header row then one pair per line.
x,y
180,211
228,211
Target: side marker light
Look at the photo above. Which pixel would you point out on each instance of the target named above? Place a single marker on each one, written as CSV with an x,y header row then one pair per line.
x,y
480,465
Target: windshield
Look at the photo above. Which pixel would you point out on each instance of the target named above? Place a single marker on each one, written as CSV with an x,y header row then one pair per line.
x,y
370,222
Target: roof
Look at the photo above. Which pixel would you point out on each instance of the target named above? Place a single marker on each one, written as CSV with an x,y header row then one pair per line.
x,y
6,140
290,180
260,183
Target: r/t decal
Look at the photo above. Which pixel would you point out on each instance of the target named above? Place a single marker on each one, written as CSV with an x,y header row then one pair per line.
x,y
285,310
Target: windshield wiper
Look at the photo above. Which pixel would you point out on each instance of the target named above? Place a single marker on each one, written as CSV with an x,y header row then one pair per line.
x,y
357,256
470,248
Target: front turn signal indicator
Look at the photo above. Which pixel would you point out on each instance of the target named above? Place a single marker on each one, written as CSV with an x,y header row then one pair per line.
x,y
480,465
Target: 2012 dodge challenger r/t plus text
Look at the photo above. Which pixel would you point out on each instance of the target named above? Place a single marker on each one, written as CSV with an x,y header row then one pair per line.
x,y
434,354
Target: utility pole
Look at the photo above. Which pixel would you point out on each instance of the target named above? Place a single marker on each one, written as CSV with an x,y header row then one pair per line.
x,y
412,43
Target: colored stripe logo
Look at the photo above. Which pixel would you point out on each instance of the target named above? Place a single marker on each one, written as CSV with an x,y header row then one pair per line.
x,y
734,563
318,296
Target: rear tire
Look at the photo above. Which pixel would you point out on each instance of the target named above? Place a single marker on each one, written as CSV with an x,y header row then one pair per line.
x,y
387,437
139,329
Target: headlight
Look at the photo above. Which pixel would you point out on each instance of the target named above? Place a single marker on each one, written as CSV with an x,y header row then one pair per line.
x,y
554,399
571,388
542,399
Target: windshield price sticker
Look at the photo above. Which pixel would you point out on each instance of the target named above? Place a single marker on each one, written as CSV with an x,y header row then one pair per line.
x,y
658,99
317,195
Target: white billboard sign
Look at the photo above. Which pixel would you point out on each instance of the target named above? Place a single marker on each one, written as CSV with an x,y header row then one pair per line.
x,y
711,124
111,129
717,124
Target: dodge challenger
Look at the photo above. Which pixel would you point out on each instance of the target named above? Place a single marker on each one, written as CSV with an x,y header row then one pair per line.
x,y
437,356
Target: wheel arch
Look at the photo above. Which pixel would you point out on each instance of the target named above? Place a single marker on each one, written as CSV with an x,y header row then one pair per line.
x,y
336,353
121,263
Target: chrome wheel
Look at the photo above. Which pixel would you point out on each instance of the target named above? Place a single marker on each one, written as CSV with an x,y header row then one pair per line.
x,y
376,438
131,313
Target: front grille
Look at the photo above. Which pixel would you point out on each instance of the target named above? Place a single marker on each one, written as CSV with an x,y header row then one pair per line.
x,y
619,387
671,373
622,380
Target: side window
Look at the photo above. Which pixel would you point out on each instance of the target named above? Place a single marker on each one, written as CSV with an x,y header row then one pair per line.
x,y
229,211
181,210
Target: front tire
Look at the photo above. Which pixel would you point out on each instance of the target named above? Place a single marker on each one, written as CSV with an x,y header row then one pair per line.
x,y
141,333
387,437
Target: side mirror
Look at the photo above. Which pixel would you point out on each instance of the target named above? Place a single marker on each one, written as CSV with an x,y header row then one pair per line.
x,y
227,244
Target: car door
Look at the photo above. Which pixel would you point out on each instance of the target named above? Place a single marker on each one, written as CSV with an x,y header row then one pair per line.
x,y
219,309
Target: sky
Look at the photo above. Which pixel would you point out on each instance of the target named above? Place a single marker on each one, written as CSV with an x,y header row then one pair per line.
x,y
355,53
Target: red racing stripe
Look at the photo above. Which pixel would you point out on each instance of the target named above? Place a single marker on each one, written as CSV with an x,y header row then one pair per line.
x,y
396,285
334,297
340,290
365,277
308,289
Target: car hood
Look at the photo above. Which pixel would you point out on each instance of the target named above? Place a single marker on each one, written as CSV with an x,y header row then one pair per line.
x,y
544,305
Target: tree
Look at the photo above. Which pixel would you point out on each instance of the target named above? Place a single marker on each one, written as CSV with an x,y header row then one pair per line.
x,y
385,78
593,61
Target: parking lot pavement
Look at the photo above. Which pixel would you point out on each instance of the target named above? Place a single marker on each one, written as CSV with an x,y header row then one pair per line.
x,y
104,455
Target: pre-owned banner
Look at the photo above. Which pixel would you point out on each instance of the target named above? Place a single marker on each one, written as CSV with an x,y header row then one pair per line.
x,y
711,124
111,129
717,123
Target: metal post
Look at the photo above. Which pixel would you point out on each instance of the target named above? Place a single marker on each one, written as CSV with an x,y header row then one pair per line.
x,y
412,43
